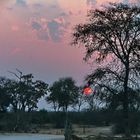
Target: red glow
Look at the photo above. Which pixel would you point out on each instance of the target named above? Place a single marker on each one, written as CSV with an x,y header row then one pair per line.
x,y
88,91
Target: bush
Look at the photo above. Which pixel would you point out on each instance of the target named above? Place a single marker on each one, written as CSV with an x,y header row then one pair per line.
x,y
134,121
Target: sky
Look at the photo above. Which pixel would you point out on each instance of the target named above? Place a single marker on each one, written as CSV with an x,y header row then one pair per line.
x,y
35,37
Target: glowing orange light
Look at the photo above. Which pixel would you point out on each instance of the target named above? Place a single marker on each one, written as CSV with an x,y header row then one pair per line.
x,y
88,90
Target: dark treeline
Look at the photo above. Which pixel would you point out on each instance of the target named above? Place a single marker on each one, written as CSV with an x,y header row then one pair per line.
x,y
19,110
28,121
19,98
36,120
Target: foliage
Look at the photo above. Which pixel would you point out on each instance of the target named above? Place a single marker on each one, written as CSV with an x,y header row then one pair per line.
x,y
80,103
25,92
4,95
64,93
43,119
113,34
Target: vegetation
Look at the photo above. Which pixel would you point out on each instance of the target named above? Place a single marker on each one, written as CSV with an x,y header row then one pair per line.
x,y
113,34
63,94
111,37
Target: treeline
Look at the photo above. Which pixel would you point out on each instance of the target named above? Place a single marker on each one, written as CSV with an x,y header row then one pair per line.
x,y
37,120
23,93
30,121
19,99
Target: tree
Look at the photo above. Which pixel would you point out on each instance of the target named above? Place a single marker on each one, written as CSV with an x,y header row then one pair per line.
x,y
53,99
114,32
80,99
4,95
25,92
63,93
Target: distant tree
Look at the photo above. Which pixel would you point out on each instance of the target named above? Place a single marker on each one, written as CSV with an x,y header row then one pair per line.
x,y
93,102
4,95
80,100
25,92
12,87
63,93
113,34
53,99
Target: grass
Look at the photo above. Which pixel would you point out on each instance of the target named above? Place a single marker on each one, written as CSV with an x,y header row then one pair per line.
x,y
107,138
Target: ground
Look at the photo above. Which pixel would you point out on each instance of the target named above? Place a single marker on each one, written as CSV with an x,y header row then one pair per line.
x,y
87,132
80,130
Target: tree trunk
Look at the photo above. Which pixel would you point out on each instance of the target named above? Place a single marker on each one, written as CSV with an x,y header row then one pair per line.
x,y
126,102
68,128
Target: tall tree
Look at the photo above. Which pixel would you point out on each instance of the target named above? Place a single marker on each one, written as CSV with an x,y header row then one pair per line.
x,y
64,92
114,32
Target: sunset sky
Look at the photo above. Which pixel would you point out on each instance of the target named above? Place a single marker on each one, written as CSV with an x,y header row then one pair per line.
x,y
35,37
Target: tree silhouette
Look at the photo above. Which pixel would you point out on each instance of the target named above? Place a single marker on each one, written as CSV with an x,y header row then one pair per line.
x,y
114,32
64,93
5,99
26,92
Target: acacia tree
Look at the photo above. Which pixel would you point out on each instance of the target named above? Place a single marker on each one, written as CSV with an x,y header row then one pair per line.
x,y
26,92
63,93
114,32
